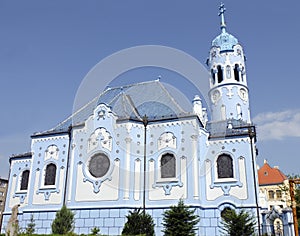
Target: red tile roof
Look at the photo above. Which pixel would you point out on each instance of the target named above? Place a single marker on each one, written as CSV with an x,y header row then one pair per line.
x,y
268,175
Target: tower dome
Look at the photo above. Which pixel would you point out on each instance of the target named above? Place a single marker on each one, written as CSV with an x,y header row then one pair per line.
x,y
225,41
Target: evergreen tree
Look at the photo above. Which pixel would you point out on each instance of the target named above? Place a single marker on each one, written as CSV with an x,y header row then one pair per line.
x,y
31,226
95,231
138,223
237,224
180,220
63,222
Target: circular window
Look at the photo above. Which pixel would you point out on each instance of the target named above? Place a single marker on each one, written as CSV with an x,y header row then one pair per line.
x,y
99,165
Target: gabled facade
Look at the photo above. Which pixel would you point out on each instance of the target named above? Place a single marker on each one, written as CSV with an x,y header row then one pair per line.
x,y
125,150
273,184
275,201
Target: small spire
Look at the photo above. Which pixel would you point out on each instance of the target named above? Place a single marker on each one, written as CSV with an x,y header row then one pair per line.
x,y
222,10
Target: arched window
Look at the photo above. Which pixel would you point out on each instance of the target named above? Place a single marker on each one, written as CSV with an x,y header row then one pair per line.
x,y
226,212
223,112
220,74
228,72
213,76
24,180
168,166
271,194
243,73
236,72
50,174
224,166
239,111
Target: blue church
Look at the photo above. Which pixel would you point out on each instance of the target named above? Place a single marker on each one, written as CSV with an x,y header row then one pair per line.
x,y
123,151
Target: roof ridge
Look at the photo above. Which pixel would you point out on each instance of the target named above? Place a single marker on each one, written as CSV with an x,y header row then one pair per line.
x,y
131,85
281,173
98,96
131,104
171,97
76,112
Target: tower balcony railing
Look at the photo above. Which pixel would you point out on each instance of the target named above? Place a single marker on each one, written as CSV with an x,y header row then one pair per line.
x,y
231,127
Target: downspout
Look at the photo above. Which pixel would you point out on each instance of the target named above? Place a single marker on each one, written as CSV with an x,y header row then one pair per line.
x,y
252,134
67,167
145,122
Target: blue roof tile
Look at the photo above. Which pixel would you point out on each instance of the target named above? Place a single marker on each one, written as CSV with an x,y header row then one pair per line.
x,y
129,102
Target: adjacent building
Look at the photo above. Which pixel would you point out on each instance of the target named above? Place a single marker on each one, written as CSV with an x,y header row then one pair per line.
x,y
3,190
274,200
274,185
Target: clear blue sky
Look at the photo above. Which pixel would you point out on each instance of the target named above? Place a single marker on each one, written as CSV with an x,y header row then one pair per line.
x,y
47,48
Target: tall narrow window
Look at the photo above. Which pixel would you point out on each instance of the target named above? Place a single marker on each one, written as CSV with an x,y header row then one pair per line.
x,y
239,111
213,76
24,180
243,73
168,166
50,174
236,72
223,112
271,194
278,194
220,74
224,166
228,72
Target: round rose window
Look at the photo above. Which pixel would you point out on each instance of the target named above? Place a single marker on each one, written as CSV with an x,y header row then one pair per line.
x,y
99,165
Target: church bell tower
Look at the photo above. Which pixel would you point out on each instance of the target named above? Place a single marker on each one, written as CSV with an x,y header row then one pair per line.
x,y
228,83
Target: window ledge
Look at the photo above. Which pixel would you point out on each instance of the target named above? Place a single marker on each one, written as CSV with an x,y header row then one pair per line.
x,y
167,180
48,187
226,180
21,191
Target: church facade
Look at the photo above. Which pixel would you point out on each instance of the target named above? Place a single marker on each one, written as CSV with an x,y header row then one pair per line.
x,y
112,156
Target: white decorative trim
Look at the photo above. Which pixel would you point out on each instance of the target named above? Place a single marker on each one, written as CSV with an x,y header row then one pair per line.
x,y
166,183
137,179
96,181
167,140
48,189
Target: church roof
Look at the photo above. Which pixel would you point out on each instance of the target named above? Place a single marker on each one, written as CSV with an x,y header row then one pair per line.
x,y
268,175
26,155
129,102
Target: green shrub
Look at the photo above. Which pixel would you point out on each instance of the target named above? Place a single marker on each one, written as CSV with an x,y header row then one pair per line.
x,y
236,224
63,222
138,223
30,227
95,231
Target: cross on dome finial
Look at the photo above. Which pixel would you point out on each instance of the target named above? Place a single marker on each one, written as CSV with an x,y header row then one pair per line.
x,y
222,10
